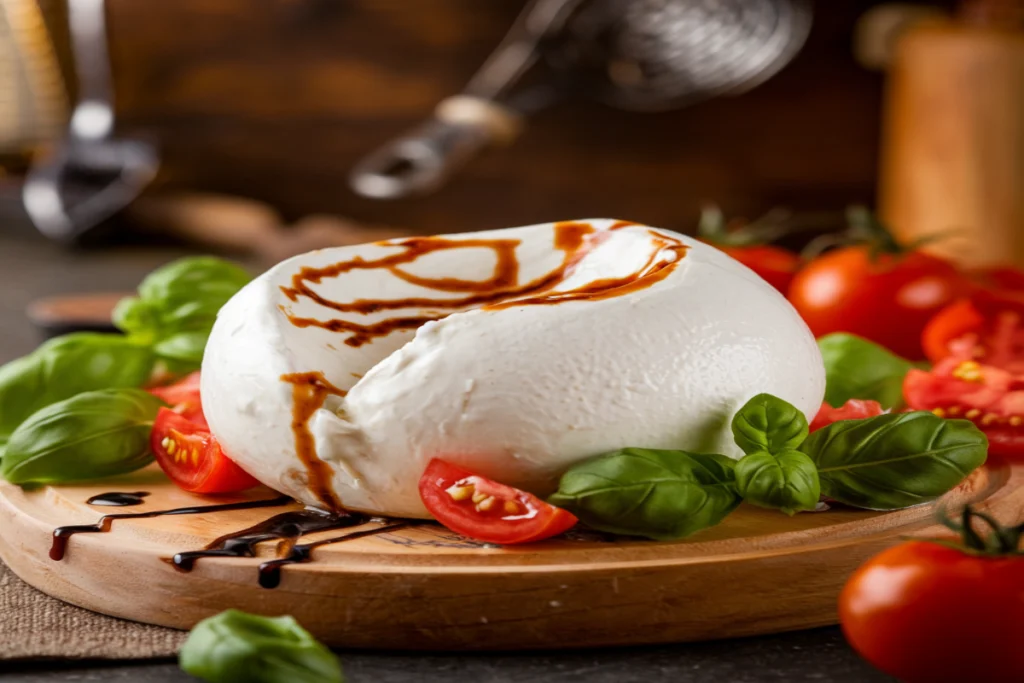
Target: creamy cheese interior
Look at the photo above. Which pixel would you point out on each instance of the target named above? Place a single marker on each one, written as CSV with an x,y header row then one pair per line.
x,y
336,375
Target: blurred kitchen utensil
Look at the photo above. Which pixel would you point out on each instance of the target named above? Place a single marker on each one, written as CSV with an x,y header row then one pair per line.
x,y
91,175
953,139
246,226
33,103
642,55
63,314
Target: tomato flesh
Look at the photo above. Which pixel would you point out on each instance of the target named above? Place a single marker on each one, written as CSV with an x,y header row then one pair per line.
x,y
930,613
990,397
184,397
775,265
853,409
987,328
189,454
486,510
887,298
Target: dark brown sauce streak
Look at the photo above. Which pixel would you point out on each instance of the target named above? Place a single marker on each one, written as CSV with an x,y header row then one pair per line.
x,y
309,392
62,534
286,528
570,238
118,499
501,290
270,571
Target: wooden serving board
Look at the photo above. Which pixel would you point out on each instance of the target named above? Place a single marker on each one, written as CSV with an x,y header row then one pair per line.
x,y
427,588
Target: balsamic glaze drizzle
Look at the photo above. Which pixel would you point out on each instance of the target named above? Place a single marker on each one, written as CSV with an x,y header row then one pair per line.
x,y
287,527
118,499
62,533
269,573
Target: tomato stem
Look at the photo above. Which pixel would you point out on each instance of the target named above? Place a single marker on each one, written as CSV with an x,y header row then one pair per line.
x,y
1000,540
773,225
864,227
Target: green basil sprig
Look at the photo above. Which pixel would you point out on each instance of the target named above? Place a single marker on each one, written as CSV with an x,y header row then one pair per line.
x,y
176,307
91,435
236,647
767,423
773,474
894,461
658,494
787,480
857,368
64,367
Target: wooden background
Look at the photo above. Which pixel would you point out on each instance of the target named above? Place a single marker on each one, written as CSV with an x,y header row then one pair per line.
x,y
276,99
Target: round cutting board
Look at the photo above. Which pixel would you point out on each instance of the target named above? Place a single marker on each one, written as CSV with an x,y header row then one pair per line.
x,y
426,588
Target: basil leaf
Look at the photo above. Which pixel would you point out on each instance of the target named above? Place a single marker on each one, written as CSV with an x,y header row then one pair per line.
x,y
186,348
189,292
235,647
92,435
659,494
894,461
182,296
136,317
786,481
767,423
66,366
857,368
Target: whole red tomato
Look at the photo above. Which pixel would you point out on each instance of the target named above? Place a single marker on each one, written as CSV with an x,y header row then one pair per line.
x,y
748,243
777,266
885,297
927,612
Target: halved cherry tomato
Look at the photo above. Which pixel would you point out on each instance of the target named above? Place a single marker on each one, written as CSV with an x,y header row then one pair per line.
x,y
853,409
775,265
192,458
887,298
183,396
486,510
987,327
990,397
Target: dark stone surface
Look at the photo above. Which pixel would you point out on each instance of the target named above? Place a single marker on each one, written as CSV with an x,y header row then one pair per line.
x,y
819,655
30,269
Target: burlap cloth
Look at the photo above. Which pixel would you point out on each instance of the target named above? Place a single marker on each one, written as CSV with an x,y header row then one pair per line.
x,y
34,625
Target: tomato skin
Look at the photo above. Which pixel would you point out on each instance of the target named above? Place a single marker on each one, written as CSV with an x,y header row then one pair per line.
x,y
777,266
853,409
183,395
992,398
928,613
949,324
888,299
200,465
534,521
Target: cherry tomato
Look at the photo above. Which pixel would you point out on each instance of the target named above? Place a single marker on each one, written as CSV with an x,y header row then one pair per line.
x,y
887,298
192,458
986,327
775,265
853,409
183,396
988,396
929,613
486,510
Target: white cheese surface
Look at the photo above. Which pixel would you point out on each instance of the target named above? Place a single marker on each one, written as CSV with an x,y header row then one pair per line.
x,y
513,392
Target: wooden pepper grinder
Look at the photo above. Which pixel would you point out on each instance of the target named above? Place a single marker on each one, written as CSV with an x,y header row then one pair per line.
x,y
953,140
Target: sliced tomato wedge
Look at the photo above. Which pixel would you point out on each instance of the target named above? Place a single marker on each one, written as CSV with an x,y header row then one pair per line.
x,y
486,510
853,409
986,326
989,396
192,458
183,396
